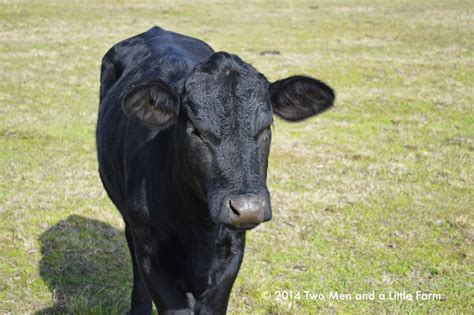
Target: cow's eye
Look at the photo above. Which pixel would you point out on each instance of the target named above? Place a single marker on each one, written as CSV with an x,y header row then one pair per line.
x,y
191,130
206,137
196,133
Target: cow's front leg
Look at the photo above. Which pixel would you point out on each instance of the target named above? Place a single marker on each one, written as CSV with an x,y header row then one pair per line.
x,y
162,285
141,300
229,255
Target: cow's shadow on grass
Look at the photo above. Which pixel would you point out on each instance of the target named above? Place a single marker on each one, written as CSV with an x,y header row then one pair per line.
x,y
87,267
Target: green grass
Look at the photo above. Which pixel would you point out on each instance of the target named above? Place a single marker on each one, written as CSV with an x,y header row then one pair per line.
x,y
375,195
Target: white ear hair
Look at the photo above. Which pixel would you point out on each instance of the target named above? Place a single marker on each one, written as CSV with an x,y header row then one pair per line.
x,y
153,104
298,97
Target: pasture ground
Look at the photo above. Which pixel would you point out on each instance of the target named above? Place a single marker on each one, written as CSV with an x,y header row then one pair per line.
x,y
375,195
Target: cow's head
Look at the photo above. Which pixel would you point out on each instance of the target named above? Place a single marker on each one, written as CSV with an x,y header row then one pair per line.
x,y
223,113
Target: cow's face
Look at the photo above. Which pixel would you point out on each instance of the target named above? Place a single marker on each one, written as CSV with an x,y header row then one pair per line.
x,y
227,117
223,113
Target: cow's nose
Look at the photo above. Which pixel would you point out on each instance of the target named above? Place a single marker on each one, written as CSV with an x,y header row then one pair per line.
x,y
248,209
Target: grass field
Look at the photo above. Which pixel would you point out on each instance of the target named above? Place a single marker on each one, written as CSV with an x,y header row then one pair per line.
x,y
375,195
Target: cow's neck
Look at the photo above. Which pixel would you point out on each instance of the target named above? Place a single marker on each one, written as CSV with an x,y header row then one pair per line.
x,y
189,206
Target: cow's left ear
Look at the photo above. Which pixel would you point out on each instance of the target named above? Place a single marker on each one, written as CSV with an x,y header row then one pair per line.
x,y
299,97
153,104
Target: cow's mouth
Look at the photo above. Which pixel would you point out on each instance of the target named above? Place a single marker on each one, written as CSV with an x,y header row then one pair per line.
x,y
243,227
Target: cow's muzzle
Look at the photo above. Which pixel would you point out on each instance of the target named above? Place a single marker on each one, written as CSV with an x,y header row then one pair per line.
x,y
248,210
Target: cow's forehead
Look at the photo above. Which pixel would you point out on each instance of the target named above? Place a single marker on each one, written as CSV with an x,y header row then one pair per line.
x,y
226,93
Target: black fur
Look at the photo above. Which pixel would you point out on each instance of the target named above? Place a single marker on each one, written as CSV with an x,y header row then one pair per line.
x,y
181,128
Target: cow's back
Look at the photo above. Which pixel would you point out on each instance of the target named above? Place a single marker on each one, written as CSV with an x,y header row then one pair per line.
x,y
156,44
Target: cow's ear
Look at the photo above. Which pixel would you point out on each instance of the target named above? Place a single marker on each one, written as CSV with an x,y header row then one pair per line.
x,y
299,97
153,104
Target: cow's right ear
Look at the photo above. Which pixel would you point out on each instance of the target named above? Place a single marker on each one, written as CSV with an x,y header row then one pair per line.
x,y
154,104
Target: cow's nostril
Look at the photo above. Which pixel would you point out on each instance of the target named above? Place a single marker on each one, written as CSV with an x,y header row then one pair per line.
x,y
234,210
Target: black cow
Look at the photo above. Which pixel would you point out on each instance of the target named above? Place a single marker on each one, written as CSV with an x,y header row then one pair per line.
x,y
183,138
